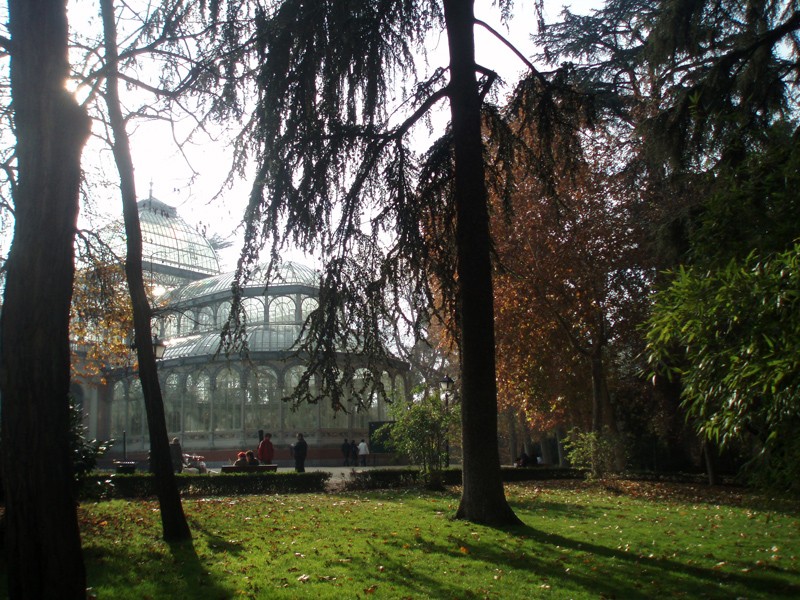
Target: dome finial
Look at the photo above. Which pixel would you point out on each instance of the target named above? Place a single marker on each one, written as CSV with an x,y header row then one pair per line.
x,y
151,188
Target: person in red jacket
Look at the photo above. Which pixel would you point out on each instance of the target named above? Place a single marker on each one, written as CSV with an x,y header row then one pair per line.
x,y
266,452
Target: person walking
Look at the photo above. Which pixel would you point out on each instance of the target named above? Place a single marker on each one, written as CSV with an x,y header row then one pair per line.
x,y
346,452
300,452
176,454
353,452
363,452
266,451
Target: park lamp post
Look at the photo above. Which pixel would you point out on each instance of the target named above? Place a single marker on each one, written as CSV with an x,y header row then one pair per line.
x,y
446,386
159,347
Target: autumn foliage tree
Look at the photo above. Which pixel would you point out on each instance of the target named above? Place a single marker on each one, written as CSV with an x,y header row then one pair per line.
x,y
336,173
101,319
697,91
571,290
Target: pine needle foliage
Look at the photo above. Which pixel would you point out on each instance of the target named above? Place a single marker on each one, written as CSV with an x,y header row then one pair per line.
x,y
698,80
337,177
403,236
337,174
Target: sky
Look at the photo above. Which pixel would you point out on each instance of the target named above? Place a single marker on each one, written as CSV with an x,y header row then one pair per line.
x,y
161,169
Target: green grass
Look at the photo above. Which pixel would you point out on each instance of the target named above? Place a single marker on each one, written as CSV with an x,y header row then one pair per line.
x,y
622,540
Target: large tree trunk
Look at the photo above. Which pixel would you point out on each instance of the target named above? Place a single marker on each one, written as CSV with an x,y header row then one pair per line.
x,y
173,519
42,537
604,421
483,498
602,412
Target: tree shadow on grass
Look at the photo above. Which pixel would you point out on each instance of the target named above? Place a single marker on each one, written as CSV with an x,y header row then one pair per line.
x,y
194,576
672,491
554,564
580,566
620,574
177,576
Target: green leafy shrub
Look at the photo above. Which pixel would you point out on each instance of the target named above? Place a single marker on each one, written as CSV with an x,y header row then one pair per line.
x,y
590,451
421,430
731,335
85,452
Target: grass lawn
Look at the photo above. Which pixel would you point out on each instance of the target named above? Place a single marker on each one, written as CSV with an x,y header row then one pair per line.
x,y
623,540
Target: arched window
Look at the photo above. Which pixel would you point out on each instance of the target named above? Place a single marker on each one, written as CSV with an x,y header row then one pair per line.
x,y
205,319
197,407
119,412
281,311
262,400
187,323
136,418
228,401
253,310
364,398
330,418
223,312
303,418
172,403
170,326
308,306
399,390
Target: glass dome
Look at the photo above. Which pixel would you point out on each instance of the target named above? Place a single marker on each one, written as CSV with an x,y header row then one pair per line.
x,y
171,247
288,276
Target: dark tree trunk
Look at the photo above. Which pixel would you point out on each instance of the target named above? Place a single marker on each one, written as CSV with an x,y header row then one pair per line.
x,y
511,418
43,544
483,499
708,458
603,418
599,396
173,519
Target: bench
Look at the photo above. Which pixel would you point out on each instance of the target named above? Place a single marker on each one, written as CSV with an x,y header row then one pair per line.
x,y
248,468
125,467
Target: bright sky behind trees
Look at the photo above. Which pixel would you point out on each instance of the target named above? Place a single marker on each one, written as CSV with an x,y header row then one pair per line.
x,y
161,166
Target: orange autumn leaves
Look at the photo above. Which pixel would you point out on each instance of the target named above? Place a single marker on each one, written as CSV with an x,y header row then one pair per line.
x,y
569,285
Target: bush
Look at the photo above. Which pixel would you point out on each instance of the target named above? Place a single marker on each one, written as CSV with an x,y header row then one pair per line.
x,y
730,334
421,430
535,473
85,452
395,478
383,478
591,451
142,485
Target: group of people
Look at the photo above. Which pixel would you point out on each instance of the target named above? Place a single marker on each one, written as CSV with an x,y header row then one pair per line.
x,y
355,454
265,453
262,456
245,459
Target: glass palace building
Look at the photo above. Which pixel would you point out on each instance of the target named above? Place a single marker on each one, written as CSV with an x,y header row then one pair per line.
x,y
217,404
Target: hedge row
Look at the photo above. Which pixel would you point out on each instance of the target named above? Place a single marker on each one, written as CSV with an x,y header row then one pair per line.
x,y
392,478
142,485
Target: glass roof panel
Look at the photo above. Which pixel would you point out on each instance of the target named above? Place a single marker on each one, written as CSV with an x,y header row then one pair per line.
x,y
169,241
288,275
